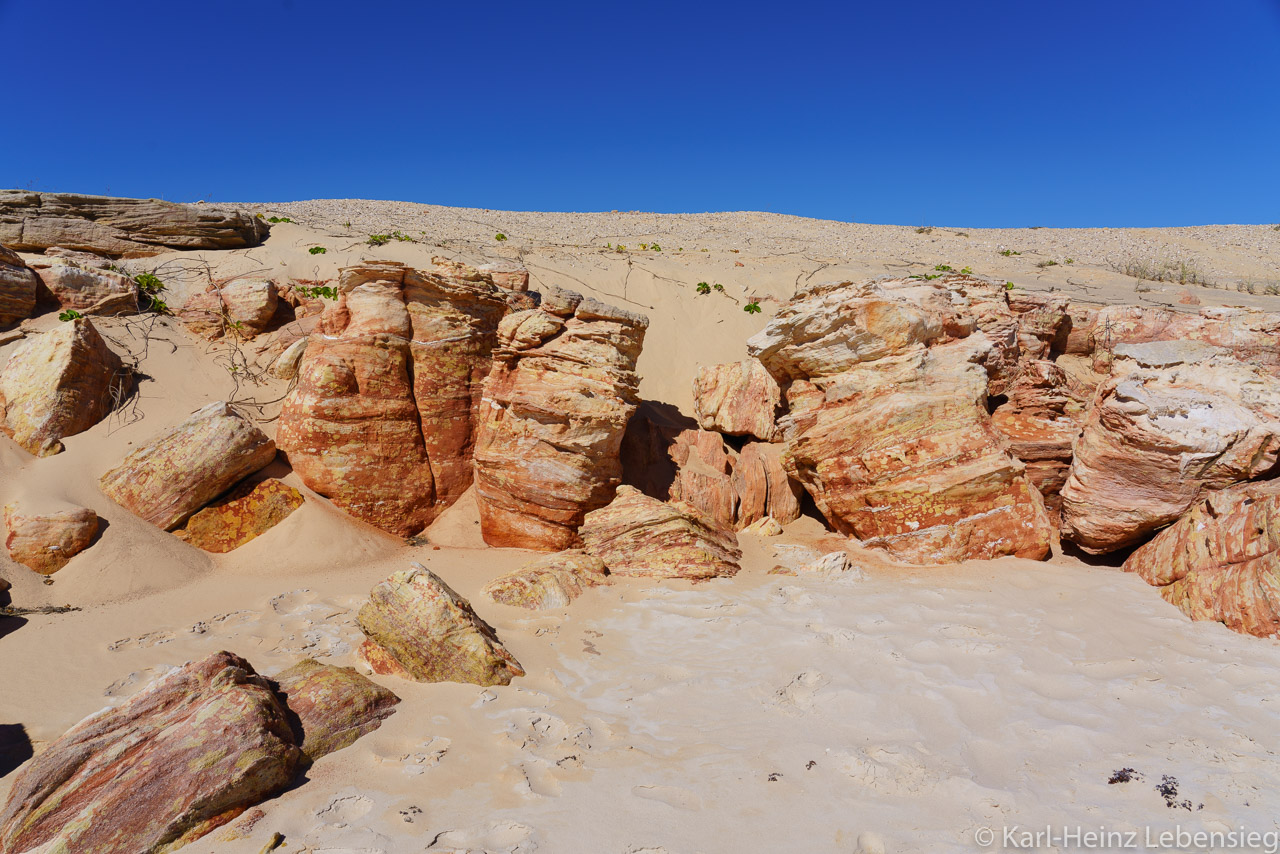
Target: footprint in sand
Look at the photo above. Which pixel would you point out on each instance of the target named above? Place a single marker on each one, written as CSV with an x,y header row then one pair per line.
x,y
498,837
345,810
672,796
800,692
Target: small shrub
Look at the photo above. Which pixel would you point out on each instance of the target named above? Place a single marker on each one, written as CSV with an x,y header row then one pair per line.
x,y
967,271
644,246
316,291
1162,270
403,238
1007,252
149,283
703,288
943,268
925,229
500,237
347,225
317,250
962,234
378,239
1048,263
718,287
655,247
70,314
1008,286
620,248
752,307
275,219
1068,260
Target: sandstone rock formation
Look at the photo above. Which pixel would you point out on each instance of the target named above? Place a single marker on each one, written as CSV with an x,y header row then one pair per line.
x,y
763,487
87,290
57,384
419,628
179,471
556,405
285,366
45,538
637,535
187,754
332,706
32,222
549,582
704,476
766,527
1250,335
18,284
1157,439
239,516
1221,559
243,308
888,430
381,420
739,399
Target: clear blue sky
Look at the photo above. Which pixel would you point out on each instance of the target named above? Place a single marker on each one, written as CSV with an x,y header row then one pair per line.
x,y
1010,112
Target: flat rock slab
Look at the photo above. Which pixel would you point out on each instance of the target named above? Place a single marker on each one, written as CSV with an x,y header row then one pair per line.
x,y
246,512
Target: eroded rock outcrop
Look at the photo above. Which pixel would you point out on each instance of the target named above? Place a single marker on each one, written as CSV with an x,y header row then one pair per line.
x,y
176,473
738,399
555,408
382,418
18,284
419,628
332,706
1221,559
243,307
44,538
186,755
1157,439
1248,334
58,384
637,535
763,487
87,290
247,511
33,222
549,582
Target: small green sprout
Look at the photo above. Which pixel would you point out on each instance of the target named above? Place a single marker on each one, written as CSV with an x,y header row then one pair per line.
x,y
718,287
317,250
967,271
943,268
378,239
704,288
1007,252
276,219
70,314
317,291
500,237
752,307
1008,286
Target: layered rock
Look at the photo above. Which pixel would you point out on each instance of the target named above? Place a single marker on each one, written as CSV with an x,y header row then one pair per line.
x,y
763,487
1157,439
58,384
177,472
887,385
189,753
18,284
382,418
549,582
739,399
557,401
332,706
247,511
86,290
32,222
1221,559
419,628
637,535
44,538
1248,334
704,476
243,307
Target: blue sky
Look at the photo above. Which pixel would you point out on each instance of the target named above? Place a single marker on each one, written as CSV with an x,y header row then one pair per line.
x,y
1004,113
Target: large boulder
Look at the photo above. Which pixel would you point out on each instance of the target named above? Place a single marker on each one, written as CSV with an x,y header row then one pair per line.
x,y
1158,438
555,409
18,284
763,487
174,474
740,399
1221,559
244,513
888,429
419,628
58,384
1248,334
332,706
43,539
733,488
33,222
189,753
549,582
382,418
637,535
86,290
242,308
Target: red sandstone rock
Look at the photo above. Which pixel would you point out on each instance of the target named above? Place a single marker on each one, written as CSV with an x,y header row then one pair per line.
x,y
740,399
763,487
549,582
44,539
704,475
18,284
86,290
333,706
244,513
242,308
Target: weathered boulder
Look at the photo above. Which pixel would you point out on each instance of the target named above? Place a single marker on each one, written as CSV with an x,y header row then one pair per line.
x,y
637,535
766,527
285,366
740,399
382,418
555,409
549,582
762,485
87,290
704,475
1221,559
332,706
189,753
45,538
1157,439
18,284
247,511
58,384
179,471
1250,335
242,308
32,222
419,628
1041,419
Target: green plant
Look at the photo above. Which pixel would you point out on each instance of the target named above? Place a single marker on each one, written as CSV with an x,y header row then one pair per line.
x,y
703,288
400,236
499,237
620,248
70,314
644,246
752,307
317,250
257,216
962,234
1163,270
1008,286
316,291
378,239
718,287
967,271
275,219
151,287
347,225
943,268
1007,252
655,247
1048,263
608,246
925,229
1068,260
